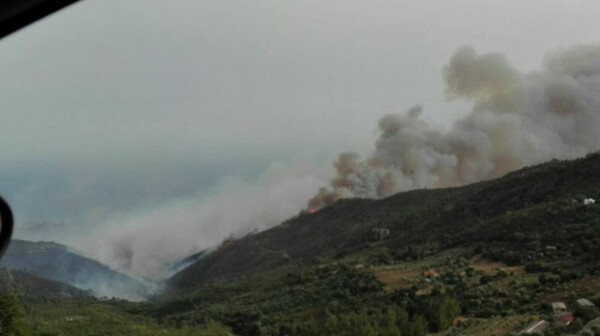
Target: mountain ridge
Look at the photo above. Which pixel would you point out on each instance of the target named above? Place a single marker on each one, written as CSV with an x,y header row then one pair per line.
x,y
60,263
429,218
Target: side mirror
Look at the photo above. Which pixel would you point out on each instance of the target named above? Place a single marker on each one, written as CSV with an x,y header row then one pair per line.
x,y
6,226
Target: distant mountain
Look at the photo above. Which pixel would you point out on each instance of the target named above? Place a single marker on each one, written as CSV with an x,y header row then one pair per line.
x,y
511,219
31,285
58,262
47,230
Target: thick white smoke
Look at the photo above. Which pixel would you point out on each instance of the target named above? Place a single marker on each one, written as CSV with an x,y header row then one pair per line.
x,y
516,119
144,244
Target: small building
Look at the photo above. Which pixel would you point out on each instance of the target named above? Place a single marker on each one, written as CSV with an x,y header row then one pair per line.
x,y
431,274
588,201
535,327
559,308
584,303
379,234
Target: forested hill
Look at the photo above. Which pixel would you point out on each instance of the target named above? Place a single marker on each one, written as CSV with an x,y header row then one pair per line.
x,y
57,262
32,286
510,219
487,259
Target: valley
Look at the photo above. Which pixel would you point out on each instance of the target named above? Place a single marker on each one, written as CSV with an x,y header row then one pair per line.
x,y
490,258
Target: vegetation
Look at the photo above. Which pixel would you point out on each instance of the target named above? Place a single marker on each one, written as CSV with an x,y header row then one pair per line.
x,y
93,317
12,321
485,259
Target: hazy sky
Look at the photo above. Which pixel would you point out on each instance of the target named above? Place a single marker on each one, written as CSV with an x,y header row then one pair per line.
x,y
112,106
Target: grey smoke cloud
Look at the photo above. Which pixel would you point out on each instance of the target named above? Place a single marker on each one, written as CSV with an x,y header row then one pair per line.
x,y
516,119
84,193
144,244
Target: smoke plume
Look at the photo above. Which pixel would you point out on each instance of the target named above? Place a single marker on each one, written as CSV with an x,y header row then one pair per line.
x,y
516,119
144,244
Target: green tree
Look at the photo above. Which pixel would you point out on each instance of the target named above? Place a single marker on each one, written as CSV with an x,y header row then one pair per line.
x,y
586,313
388,322
418,327
403,323
441,312
12,322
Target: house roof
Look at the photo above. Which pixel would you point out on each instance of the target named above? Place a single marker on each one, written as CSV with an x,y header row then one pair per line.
x,y
565,318
585,303
533,327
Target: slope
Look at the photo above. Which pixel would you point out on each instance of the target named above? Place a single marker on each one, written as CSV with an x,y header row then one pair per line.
x,y
57,262
30,285
510,219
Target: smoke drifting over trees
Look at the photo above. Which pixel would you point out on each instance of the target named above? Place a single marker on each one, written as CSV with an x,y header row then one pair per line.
x,y
516,119
146,244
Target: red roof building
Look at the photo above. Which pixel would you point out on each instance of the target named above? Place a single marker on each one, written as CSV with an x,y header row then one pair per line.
x,y
564,319
431,273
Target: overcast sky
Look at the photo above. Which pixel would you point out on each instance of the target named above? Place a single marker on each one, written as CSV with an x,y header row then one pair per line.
x,y
110,106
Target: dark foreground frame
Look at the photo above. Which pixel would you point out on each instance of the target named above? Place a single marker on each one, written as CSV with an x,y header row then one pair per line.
x,y
6,228
16,14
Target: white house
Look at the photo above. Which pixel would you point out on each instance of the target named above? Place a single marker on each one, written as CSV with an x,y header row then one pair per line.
x,y
559,308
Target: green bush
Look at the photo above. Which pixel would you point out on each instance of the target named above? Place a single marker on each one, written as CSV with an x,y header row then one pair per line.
x,y
12,322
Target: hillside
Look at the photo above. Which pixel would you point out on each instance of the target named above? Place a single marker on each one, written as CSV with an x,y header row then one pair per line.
x,y
508,219
57,262
29,285
487,259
